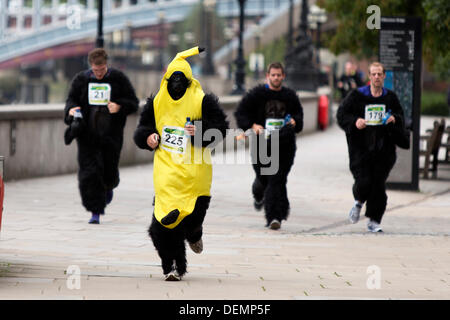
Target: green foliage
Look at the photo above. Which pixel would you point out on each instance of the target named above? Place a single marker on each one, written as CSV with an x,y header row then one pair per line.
x,y
272,52
436,41
434,104
352,34
8,89
275,51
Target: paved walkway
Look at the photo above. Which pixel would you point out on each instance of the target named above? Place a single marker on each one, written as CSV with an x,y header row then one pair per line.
x,y
316,254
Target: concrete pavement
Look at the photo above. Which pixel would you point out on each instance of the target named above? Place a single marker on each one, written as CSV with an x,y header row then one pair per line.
x,y
45,239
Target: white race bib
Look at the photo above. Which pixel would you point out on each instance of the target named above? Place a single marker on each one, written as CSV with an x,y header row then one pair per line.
x,y
173,139
273,124
99,94
375,114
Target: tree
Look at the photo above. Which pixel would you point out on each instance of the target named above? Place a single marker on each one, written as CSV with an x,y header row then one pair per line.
x,y
352,34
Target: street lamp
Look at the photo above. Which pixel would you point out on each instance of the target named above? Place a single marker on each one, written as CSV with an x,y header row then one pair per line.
x,y
316,17
300,72
208,10
290,41
99,43
239,86
161,15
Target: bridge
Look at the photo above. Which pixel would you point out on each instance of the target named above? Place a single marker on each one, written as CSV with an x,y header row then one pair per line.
x,y
26,29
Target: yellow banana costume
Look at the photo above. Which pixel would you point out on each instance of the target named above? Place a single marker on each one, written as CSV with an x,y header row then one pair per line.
x,y
181,172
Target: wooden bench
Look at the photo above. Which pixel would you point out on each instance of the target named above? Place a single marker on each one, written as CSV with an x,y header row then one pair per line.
x,y
433,144
446,145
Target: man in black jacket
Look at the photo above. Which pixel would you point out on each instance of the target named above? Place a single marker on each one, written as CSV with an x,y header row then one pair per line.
x,y
373,121
105,98
349,80
263,103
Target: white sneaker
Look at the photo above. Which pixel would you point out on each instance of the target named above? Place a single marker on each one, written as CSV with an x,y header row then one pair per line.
x,y
353,216
374,226
197,247
275,224
173,276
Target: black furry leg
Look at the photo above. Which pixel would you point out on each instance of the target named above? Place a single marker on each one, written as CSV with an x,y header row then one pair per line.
x,y
192,224
276,204
258,188
90,178
170,246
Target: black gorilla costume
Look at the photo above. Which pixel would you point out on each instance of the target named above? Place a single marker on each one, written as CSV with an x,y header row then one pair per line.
x,y
372,150
170,242
101,138
256,106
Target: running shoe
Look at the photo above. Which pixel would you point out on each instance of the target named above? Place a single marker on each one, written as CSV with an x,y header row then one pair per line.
x,y
373,226
275,224
258,204
353,216
173,276
95,219
197,247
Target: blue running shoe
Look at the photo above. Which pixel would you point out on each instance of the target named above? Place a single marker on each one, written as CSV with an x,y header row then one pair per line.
x,y
95,219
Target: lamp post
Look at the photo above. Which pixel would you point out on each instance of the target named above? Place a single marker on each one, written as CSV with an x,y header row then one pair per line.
x,y
208,10
290,42
161,15
99,43
300,71
316,18
239,86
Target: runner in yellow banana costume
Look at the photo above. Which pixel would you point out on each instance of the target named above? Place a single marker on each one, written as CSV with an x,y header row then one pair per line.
x,y
177,179
182,171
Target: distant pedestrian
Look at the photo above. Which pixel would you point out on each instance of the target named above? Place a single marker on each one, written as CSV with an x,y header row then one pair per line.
x,y
105,97
265,108
373,121
350,80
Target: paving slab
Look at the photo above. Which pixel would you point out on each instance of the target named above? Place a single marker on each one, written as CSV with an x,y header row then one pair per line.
x,y
316,254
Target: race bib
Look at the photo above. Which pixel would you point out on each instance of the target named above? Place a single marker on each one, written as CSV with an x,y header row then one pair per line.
x,y
99,94
374,114
173,139
273,124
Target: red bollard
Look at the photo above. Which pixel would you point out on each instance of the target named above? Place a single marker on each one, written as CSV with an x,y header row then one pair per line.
x,y
323,112
2,189
2,193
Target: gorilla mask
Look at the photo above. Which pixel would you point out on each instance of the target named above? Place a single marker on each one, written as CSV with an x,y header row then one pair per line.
x,y
177,85
275,109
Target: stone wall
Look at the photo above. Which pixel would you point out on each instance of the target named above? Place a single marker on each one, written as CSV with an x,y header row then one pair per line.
x,y
32,138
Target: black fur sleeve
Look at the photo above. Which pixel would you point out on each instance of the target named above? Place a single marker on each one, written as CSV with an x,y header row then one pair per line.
x,y
146,126
213,117
127,98
345,116
296,111
73,99
246,113
397,130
